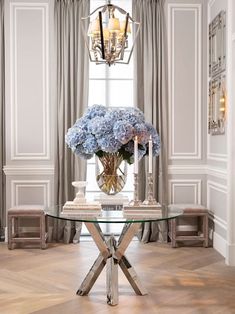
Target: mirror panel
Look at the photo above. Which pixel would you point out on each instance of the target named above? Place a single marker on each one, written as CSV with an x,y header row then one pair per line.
x,y
217,105
217,41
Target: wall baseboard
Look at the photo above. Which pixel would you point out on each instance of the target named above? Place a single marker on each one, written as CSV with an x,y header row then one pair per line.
x,y
230,255
219,244
6,235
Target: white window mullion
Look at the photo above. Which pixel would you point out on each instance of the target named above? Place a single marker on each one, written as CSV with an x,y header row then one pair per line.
x,y
107,103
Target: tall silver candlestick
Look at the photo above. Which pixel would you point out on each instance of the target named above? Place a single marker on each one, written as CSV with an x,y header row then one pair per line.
x,y
150,199
135,201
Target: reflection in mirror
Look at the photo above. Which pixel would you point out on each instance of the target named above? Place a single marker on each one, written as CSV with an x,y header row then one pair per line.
x,y
217,40
217,105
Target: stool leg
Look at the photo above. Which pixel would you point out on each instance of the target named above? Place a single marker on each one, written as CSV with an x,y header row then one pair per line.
x,y
205,230
9,230
43,232
173,233
16,226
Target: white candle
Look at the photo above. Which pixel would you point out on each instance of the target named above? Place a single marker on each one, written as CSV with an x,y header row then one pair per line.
x,y
136,155
150,155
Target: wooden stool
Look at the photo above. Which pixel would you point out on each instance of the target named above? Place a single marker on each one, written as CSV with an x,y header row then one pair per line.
x,y
25,211
189,210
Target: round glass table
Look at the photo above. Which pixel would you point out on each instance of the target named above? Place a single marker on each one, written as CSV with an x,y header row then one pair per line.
x,y
111,250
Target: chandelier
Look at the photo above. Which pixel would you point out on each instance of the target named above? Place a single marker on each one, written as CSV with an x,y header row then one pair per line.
x,y
106,35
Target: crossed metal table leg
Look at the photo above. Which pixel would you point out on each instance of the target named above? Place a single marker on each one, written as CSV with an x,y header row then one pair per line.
x,y
112,255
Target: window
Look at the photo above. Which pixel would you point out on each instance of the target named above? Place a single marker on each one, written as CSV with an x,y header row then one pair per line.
x,y
113,87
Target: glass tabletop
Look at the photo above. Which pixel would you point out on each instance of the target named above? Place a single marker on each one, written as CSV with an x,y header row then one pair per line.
x,y
115,216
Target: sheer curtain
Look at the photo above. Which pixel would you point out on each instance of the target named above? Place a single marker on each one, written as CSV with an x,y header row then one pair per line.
x,y
2,105
72,99
150,92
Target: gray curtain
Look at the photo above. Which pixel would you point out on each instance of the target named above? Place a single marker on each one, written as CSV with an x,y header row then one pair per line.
x,y
150,92
2,105
72,99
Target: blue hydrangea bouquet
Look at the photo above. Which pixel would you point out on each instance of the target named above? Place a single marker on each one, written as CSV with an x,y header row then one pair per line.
x,y
109,134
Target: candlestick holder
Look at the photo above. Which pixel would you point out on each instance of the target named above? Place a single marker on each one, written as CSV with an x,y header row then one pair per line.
x,y
80,196
150,199
135,201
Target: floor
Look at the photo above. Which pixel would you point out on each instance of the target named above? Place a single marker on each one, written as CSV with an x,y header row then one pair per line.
x,y
183,280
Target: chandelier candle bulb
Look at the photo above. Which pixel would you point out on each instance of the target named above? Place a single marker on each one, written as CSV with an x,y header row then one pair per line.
x,y
123,25
150,155
95,26
114,25
136,155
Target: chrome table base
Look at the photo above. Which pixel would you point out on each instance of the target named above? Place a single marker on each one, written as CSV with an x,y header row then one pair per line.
x,y
112,255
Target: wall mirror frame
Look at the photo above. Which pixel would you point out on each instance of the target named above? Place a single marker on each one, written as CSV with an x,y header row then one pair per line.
x,y
217,44
217,105
217,67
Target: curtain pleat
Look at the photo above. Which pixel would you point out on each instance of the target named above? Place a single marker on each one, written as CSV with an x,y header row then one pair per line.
x,y
150,95
72,66
2,115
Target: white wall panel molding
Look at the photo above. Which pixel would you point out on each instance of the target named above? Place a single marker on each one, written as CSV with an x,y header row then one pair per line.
x,y
217,172
215,156
28,170
29,81
18,185
188,169
193,184
193,152
217,202
202,169
211,185
220,222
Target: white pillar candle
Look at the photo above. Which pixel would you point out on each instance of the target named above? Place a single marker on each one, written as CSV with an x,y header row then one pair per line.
x,y
150,155
136,155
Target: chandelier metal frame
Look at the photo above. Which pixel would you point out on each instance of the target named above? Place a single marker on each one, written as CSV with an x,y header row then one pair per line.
x,y
107,46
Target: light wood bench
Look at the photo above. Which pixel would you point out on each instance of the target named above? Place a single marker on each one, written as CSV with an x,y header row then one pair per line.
x,y
189,210
15,214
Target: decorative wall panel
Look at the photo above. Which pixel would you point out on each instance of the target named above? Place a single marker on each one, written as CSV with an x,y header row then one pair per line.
x,y
30,192
29,83
185,191
184,46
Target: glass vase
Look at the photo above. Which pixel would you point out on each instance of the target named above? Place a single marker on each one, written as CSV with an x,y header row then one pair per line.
x,y
111,173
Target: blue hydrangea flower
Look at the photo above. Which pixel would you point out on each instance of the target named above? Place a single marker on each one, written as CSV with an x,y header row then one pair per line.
x,y
99,126
109,144
75,136
82,123
90,145
111,130
115,115
123,131
96,111
142,133
156,145
134,116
